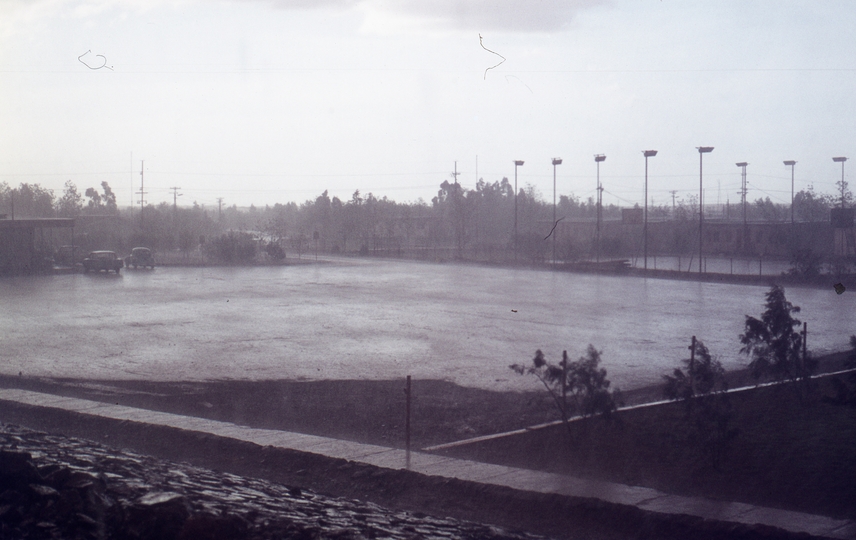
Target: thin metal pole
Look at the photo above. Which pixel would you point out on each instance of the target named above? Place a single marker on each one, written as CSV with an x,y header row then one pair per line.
x,y
744,190
407,423
554,213
792,194
700,210
599,201
692,366
645,227
515,212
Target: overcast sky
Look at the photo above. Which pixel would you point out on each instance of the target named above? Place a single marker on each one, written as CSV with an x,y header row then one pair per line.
x,y
275,101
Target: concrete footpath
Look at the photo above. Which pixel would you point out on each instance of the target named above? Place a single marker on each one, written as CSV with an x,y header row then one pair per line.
x,y
434,465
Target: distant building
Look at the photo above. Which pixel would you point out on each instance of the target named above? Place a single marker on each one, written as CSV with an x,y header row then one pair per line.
x,y
721,237
23,246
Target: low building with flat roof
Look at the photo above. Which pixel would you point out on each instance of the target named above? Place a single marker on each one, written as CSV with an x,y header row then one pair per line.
x,y
23,244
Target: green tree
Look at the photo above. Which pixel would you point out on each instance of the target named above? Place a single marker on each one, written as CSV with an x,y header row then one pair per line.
x,y
811,206
71,202
108,198
577,388
703,390
94,199
774,342
805,262
703,375
28,201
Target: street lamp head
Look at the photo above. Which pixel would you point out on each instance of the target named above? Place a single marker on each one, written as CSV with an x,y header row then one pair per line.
x,y
518,162
790,162
704,149
557,161
839,159
599,157
649,153
741,164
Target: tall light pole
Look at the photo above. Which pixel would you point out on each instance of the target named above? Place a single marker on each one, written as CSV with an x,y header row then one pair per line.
x,y
841,160
791,163
647,154
597,159
702,150
517,163
556,161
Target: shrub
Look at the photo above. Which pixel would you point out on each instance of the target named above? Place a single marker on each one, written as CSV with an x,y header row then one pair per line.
x,y
577,388
708,412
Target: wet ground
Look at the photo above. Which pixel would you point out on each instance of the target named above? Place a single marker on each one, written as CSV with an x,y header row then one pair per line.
x,y
369,319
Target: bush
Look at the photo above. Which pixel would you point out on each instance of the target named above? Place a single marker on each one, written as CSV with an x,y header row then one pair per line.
x,y
805,263
708,412
578,388
232,248
275,251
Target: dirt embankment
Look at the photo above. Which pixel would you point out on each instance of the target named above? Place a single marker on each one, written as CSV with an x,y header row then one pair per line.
x,y
552,515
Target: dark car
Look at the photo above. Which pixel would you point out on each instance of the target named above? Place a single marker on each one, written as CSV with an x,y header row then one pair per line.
x,y
140,256
102,260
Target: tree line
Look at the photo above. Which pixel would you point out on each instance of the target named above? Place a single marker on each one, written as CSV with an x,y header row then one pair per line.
x,y
465,223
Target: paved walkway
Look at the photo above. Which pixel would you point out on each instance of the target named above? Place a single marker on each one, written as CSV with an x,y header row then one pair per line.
x,y
430,464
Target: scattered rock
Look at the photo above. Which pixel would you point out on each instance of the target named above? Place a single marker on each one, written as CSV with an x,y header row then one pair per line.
x,y
132,497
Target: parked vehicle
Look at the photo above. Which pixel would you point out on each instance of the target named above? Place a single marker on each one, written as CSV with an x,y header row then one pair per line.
x,y
102,260
140,256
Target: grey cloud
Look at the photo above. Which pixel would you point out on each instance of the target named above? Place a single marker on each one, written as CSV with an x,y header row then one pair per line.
x,y
502,15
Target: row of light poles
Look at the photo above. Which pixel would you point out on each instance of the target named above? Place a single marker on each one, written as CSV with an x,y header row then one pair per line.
x,y
598,158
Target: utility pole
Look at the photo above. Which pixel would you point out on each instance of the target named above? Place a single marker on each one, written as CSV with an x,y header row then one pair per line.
x,y
142,193
674,210
459,232
219,208
175,196
744,191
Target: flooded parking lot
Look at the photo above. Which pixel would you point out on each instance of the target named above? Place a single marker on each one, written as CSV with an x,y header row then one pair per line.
x,y
369,319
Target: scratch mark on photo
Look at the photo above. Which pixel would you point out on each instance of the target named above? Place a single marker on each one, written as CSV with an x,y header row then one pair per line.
x,y
521,82
554,228
104,65
490,51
